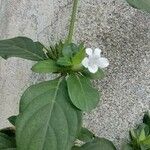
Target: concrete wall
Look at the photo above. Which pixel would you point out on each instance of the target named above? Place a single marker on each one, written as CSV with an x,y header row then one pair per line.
x,y
123,34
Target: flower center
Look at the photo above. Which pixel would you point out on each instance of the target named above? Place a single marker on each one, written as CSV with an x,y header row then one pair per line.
x,y
93,60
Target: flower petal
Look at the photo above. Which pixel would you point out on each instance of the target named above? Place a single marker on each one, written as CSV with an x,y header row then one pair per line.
x,y
97,52
85,62
103,62
89,51
93,69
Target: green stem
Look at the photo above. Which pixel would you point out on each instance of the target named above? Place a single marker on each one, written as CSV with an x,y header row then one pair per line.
x,y
72,23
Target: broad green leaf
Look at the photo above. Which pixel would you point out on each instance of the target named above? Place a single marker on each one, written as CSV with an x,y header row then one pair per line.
x,y
46,66
12,120
126,147
140,4
3,56
47,120
9,149
81,92
98,75
8,131
22,47
76,148
64,61
34,92
85,135
98,144
6,142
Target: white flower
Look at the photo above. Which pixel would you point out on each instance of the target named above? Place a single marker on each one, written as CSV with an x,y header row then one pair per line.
x,y
94,60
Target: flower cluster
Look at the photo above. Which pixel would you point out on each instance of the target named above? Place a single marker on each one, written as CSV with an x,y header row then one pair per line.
x,y
94,60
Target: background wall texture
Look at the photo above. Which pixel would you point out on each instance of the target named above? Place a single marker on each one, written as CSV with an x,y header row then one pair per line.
x,y
123,34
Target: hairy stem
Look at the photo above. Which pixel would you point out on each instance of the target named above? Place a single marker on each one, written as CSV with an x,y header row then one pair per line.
x,y
73,19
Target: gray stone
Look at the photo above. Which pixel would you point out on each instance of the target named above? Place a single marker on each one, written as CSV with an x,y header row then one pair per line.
x,y
123,34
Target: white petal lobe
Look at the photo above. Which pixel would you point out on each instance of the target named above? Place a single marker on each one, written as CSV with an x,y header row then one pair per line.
x,y
103,62
93,69
97,52
89,51
85,62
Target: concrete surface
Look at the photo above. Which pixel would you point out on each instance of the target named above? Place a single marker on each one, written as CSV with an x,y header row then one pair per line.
x,y
123,34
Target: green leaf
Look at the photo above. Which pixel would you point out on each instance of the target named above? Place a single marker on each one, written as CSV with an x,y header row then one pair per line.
x,y
34,92
58,48
133,134
3,56
134,139
138,135
81,92
10,149
46,66
6,142
146,118
144,147
64,61
85,135
140,132
140,4
12,120
8,131
76,148
47,120
98,75
98,144
142,135
69,50
54,52
146,141
126,147
79,56
22,47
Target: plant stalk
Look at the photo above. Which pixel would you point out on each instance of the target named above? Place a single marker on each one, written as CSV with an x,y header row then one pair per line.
x,y
72,22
